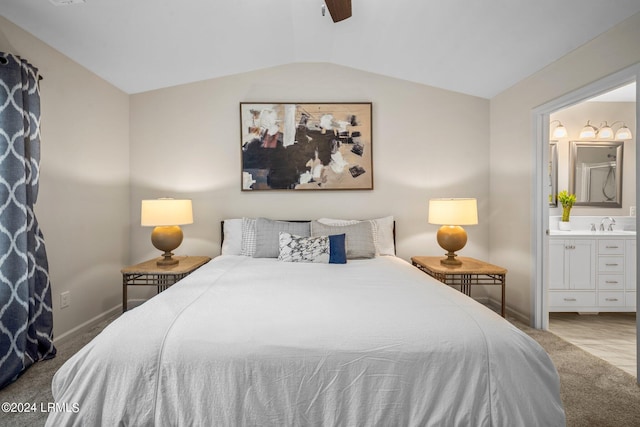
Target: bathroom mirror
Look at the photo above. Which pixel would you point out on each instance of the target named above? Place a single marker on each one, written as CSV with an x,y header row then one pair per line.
x,y
553,174
596,173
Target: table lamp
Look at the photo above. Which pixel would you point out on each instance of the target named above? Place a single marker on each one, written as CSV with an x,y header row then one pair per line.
x,y
166,215
451,214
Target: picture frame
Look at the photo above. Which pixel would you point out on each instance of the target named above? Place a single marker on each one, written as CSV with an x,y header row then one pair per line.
x,y
311,146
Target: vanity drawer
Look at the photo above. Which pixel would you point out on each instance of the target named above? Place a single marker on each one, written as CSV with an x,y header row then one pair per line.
x,y
611,264
611,247
611,299
610,282
572,299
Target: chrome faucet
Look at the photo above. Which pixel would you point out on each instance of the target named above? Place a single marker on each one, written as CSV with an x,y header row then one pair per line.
x,y
611,223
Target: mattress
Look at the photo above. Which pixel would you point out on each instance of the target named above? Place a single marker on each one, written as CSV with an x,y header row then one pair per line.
x,y
257,342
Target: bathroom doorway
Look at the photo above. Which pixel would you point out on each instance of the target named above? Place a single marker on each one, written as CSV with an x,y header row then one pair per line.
x,y
599,315
574,109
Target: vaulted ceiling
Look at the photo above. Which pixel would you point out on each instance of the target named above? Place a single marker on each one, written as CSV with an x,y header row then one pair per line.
x,y
477,47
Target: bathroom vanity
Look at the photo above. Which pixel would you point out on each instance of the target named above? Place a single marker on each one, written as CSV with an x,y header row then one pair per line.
x,y
592,271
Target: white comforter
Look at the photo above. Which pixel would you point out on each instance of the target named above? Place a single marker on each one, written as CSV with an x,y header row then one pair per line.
x,y
257,342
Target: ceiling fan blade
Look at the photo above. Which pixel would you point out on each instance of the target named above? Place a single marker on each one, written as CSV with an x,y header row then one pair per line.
x,y
339,9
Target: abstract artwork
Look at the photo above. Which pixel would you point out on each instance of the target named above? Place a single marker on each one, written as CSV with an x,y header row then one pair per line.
x,y
306,146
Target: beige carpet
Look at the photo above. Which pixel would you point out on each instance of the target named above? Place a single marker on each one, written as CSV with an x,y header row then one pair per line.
x,y
594,392
34,386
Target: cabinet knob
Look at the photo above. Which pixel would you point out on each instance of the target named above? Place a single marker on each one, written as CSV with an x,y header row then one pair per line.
x,y
613,282
611,247
569,299
611,265
611,299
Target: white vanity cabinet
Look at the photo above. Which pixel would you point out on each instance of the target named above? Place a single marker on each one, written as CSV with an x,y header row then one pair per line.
x,y
592,274
572,274
630,283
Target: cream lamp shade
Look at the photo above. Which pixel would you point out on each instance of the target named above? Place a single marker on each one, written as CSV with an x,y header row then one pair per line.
x,y
559,131
624,133
588,131
605,132
451,214
166,215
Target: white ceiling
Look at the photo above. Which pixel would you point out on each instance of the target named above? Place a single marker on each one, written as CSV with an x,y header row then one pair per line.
x,y
477,47
622,94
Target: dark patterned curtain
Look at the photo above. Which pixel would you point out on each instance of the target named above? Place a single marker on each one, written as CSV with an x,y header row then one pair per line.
x,y
26,321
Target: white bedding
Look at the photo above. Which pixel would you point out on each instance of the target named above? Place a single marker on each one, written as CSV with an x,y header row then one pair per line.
x,y
257,342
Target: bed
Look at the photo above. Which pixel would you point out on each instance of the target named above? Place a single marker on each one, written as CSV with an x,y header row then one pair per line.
x,y
248,341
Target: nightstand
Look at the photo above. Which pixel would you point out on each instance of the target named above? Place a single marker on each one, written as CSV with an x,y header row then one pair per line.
x,y
148,273
470,272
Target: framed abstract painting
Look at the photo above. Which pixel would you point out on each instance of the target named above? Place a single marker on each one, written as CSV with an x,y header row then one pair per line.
x,y
306,146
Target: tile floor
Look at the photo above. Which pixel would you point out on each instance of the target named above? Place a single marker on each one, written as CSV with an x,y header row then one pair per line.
x,y
609,336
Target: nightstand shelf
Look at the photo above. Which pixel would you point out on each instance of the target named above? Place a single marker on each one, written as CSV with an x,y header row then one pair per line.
x,y
471,272
148,273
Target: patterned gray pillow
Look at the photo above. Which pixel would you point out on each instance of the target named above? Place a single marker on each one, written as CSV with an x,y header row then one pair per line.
x,y
303,249
268,234
359,237
248,243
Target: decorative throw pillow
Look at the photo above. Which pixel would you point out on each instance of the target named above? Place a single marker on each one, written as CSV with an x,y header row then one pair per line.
x,y
248,244
337,249
303,249
268,232
359,237
312,249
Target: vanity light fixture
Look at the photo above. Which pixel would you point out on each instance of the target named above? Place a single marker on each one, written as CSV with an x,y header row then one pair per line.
x,y
624,133
606,132
166,215
559,131
451,214
588,131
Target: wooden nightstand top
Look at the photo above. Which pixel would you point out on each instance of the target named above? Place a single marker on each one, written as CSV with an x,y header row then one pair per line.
x,y
469,266
186,264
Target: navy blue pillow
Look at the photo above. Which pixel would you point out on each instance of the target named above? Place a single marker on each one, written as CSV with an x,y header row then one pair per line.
x,y
337,249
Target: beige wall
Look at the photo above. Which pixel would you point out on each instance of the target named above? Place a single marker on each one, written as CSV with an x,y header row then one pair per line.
x,y
83,205
427,142
104,151
512,152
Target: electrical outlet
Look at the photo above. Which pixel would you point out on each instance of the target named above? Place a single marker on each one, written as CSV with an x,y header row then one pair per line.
x,y
65,299
632,211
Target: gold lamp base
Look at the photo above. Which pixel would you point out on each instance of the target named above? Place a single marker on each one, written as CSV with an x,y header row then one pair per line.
x,y
451,238
167,238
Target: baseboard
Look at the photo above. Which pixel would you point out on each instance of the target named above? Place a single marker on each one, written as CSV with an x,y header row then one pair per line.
x,y
133,303
496,305
83,327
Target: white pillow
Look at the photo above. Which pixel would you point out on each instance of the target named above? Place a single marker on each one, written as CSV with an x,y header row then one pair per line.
x,y
382,232
232,241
